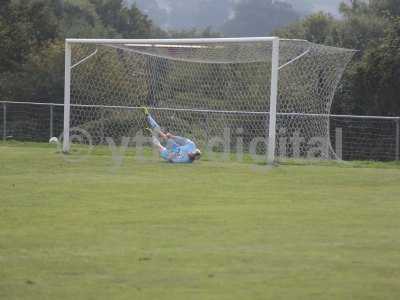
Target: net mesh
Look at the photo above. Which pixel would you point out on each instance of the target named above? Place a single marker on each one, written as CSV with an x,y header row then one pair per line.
x,y
30,121
209,91
366,138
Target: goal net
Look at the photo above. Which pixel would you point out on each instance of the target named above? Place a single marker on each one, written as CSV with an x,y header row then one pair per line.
x,y
228,95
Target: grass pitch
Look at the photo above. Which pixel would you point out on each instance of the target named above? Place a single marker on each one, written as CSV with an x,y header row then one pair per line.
x,y
151,230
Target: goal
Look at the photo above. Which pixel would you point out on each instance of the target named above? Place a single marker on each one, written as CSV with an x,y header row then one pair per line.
x,y
265,96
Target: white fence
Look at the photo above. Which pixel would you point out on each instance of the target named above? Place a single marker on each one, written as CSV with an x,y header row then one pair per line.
x,y
360,137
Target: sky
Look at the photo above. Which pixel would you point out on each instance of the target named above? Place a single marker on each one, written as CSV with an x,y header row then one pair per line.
x,y
326,5
330,6
186,14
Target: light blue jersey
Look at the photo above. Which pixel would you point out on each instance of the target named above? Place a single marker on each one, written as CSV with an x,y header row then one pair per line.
x,y
177,149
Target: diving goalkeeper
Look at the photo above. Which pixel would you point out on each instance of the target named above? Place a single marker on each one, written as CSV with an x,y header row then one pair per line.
x,y
178,149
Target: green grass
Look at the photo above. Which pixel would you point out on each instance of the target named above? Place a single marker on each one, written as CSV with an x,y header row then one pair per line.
x,y
151,230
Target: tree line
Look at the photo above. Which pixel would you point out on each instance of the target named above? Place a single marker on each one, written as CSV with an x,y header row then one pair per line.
x,y
32,35
33,32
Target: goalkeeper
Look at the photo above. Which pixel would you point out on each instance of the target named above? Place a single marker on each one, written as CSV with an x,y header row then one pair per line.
x,y
178,149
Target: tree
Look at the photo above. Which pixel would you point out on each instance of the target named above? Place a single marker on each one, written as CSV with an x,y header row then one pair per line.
x,y
374,80
318,28
370,84
27,29
127,21
386,7
24,26
33,33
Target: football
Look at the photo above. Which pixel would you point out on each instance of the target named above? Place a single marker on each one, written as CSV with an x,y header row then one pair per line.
x,y
53,140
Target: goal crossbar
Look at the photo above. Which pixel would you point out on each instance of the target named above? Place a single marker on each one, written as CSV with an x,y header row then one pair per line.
x,y
172,41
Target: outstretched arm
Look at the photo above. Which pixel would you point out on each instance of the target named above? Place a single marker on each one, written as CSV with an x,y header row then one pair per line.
x,y
163,135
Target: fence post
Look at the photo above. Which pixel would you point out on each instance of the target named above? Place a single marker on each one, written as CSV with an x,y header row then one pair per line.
x,y
206,128
398,139
339,143
51,120
102,118
4,121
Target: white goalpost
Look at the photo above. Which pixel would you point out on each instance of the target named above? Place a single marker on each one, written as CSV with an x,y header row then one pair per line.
x,y
246,90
